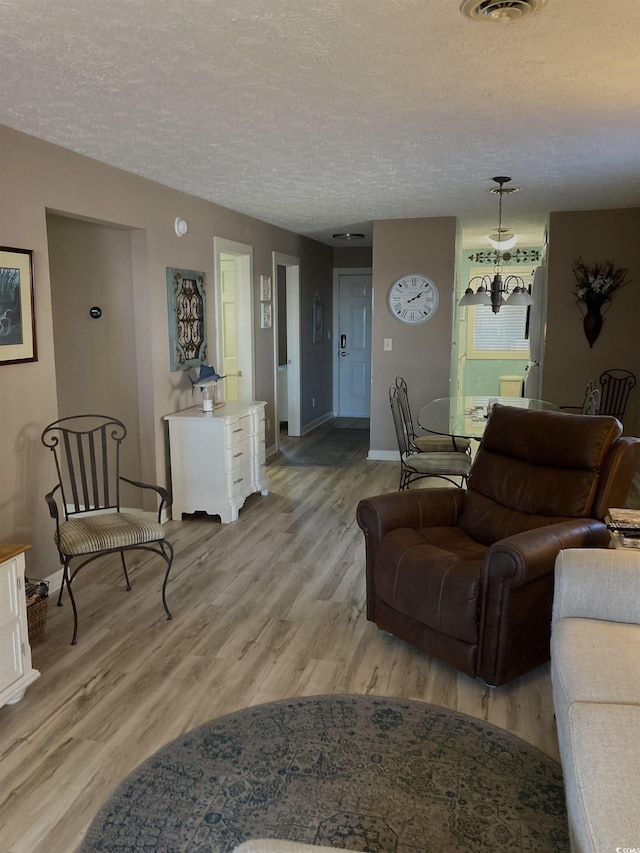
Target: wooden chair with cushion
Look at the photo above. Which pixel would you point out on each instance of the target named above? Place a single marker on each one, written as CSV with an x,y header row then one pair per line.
x,y
428,443
467,574
85,503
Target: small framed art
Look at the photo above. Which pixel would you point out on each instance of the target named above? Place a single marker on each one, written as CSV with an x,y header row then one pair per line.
x,y
17,309
265,288
265,315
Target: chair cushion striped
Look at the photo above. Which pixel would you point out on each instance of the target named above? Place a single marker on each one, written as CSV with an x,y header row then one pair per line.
x,y
441,443
92,533
456,464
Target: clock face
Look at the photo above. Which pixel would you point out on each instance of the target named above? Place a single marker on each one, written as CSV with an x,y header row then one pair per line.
x,y
413,298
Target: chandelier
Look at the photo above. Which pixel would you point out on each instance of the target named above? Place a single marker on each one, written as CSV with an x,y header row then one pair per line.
x,y
492,291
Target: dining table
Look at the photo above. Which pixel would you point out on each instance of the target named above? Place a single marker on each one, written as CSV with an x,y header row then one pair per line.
x,y
466,416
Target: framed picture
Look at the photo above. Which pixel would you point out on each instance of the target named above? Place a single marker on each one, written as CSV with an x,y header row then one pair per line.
x,y
17,311
265,315
265,288
187,318
318,320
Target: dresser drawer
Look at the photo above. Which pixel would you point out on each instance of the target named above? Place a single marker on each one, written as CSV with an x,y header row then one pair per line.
x,y
237,431
238,453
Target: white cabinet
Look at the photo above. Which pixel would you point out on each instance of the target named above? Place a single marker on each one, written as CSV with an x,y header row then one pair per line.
x,y
16,672
218,458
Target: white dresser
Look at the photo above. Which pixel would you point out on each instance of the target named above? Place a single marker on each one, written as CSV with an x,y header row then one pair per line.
x,y
218,458
16,672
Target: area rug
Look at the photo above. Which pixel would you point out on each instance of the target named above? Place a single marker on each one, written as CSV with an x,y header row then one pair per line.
x,y
333,448
352,772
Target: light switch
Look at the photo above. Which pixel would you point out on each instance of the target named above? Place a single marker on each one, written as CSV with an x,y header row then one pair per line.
x,y
387,345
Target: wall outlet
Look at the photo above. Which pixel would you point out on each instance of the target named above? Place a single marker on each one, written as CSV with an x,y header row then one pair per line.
x,y
388,344
268,423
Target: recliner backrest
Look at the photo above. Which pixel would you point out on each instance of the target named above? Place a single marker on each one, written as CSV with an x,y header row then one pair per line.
x,y
534,468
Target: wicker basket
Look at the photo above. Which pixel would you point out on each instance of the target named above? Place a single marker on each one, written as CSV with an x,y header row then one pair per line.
x,y
37,600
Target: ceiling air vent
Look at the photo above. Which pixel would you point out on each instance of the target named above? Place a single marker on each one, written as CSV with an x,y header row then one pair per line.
x,y
499,10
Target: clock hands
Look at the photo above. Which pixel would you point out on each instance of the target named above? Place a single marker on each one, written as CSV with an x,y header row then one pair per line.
x,y
417,296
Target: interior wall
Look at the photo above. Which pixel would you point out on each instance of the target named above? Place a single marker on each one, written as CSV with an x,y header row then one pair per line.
x,y
352,256
421,353
90,265
569,363
37,177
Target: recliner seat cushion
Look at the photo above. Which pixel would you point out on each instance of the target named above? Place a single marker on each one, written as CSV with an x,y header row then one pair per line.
x,y
433,576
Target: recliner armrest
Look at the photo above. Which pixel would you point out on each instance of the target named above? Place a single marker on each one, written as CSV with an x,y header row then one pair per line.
x,y
526,556
411,508
597,585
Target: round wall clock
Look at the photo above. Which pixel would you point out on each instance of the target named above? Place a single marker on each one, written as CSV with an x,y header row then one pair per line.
x,y
413,298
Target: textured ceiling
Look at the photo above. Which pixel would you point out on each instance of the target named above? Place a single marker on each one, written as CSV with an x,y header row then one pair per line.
x,y
323,115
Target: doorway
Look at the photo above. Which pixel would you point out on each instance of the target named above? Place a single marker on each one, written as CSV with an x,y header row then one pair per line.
x,y
234,318
286,343
352,358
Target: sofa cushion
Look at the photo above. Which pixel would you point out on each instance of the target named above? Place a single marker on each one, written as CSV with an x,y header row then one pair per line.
x,y
593,662
433,576
602,789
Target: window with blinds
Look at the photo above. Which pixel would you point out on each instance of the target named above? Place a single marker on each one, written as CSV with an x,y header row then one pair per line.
x,y
502,335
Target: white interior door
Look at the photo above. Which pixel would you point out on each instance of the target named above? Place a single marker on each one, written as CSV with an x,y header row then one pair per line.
x,y
229,320
294,371
354,344
234,319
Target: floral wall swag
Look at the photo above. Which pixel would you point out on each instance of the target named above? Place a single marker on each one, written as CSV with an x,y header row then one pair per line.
x,y
594,288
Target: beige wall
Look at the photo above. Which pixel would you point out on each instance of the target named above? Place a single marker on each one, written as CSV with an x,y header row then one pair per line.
x,y
422,353
595,235
37,177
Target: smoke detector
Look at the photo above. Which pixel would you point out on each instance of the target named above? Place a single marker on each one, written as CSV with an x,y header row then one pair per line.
x,y
500,10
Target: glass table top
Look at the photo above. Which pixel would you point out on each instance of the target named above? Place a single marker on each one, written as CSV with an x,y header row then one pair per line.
x,y
467,416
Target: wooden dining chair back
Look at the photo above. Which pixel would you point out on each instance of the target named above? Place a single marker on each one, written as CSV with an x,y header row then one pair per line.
x,y
85,503
428,443
415,464
615,387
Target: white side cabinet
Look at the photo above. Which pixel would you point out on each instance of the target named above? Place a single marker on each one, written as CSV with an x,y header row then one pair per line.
x,y
218,458
16,672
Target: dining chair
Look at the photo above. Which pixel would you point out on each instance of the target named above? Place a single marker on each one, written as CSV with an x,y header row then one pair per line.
x,y
85,503
587,401
615,386
415,464
428,443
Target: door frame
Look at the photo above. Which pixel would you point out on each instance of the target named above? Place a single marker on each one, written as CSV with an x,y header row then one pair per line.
x,y
294,349
244,300
337,272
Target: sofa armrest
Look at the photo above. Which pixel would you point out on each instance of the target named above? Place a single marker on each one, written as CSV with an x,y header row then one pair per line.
x,y
597,585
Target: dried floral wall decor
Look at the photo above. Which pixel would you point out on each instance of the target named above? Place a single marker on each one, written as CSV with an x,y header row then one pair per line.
x,y
594,289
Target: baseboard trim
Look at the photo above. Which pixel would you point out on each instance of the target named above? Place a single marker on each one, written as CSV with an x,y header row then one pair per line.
x,y
384,455
318,422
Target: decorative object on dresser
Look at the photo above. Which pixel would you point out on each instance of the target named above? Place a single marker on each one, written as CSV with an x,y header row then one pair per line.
x,y
466,575
218,459
206,381
86,449
16,671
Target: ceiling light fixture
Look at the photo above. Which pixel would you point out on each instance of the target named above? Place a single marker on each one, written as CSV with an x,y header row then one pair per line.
x,y
499,11
348,235
491,291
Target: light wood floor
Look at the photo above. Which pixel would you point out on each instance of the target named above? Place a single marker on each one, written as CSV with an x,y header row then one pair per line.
x,y
268,607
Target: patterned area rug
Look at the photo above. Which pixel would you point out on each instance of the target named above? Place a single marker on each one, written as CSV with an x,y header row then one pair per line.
x,y
352,772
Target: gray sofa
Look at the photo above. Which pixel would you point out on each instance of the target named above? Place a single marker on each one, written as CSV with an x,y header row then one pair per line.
x,y
595,671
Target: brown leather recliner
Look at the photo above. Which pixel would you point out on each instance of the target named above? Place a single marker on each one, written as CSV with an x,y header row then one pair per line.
x,y
467,576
